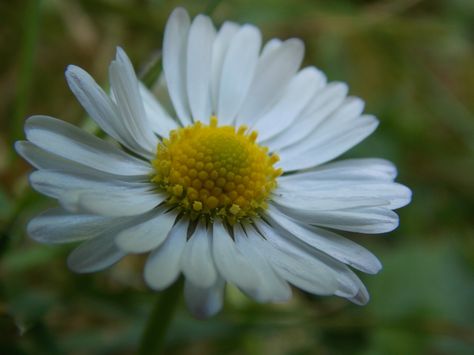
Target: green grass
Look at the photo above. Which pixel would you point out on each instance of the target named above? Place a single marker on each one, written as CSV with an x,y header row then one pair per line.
x,y
411,61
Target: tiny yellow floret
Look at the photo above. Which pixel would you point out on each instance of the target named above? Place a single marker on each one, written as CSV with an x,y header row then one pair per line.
x,y
178,190
215,171
197,205
234,209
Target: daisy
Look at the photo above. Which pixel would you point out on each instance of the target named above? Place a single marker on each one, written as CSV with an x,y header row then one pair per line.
x,y
232,183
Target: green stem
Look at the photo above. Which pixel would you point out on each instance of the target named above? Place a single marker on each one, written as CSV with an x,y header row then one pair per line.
x,y
153,337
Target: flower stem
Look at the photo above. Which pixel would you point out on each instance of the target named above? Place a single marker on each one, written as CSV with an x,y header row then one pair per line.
x,y
153,337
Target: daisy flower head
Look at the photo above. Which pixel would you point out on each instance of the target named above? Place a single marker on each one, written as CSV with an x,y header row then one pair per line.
x,y
230,184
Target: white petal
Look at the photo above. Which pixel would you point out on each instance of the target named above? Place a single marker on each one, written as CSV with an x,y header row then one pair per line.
x,y
275,69
362,297
57,184
362,220
95,254
198,70
237,72
230,263
221,45
148,232
349,285
332,146
322,200
271,47
307,268
70,142
159,120
350,170
117,203
345,115
174,62
91,194
41,159
325,101
163,265
98,105
332,95
271,287
300,90
292,264
204,302
339,248
196,262
59,226
339,194
124,85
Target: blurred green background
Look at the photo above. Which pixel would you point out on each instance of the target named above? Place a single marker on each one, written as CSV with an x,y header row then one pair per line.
x,y
413,63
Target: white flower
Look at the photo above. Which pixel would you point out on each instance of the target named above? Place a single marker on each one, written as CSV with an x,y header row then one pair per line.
x,y
199,190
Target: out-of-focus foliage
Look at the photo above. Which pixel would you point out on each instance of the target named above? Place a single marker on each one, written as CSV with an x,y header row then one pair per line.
x,y
411,60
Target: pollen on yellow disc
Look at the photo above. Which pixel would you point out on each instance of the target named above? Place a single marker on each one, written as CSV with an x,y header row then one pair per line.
x,y
215,171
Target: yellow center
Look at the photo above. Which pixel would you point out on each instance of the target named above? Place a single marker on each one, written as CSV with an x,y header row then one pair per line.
x,y
215,171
